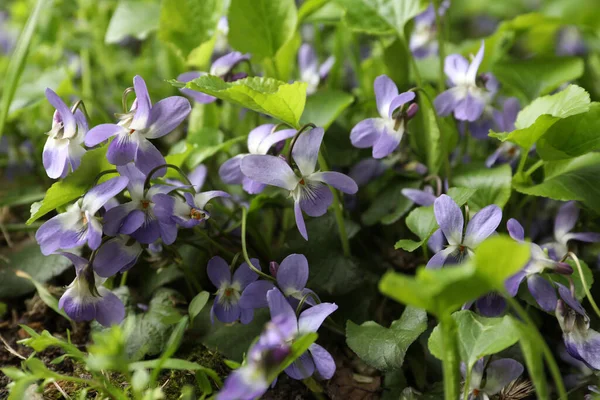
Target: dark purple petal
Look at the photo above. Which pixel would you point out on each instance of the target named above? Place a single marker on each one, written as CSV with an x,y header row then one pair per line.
x,y
491,305
482,225
338,180
100,133
300,220
515,230
588,347
113,218
568,298
148,157
310,320
244,275
225,312
76,308
543,292
366,170
49,235
78,262
94,232
109,309
115,255
385,92
166,115
278,305
419,197
306,150
449,218
218,272
148,233
366,133
255,295
132,222
269,170
144,106
324,362
512,284
315,199
293,273
246,315
168,232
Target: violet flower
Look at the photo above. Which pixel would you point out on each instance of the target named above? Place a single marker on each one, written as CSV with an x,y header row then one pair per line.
x,y
465,98
79,225
542,291
565,221
423,39
310,71
310,191
569,42
507,152
581,342
228,306
260,141
86,299
385,133
489,379
451,222
316,360
63,149
117,254
222,68
367,170
143,121
137,217
425,197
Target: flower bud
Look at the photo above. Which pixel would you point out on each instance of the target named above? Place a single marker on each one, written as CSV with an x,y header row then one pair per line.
x,y
412,111
273,268
562,268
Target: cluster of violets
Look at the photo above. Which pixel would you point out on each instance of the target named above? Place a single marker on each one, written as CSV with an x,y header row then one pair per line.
x,y
118,228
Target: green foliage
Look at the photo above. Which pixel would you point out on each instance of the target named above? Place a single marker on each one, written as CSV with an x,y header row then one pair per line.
x,y
280,100
261,27
385,348
323,107
492,185
44,294
132,18
40,342
197,304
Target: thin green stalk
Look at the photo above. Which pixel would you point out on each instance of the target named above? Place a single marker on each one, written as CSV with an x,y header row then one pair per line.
x,y
441,45
534,167
245,250
467,384
550,361
337,208
588,294
522,161
17,63
124,278
450,362
413,63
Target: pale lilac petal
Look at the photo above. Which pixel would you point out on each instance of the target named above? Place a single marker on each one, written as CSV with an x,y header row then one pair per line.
x,y
419,197
194,95
166,115
122,149
94,232
75,153
148,157
114,256
588,237
307,58
278,305
386,144
55,156
306,150
316,199
136,179
269,170
456,67
302,368
252,187
512,284
293,273
243,384
218,272
449,218
338,180
474,66
50,233
400,100
566,218
437,241
198,177
110,309
366,170
231,170
543,292
326,67
385,92
447,101
226,313
366,133
255,295
75,308
144,106
310,320
482,225
100,133
588,348
470,108
202,198
273,138
244,275
515,230
67,117
505,120
300,220
222,65
257,135
78,262
324,362
97,196
500,373
439,258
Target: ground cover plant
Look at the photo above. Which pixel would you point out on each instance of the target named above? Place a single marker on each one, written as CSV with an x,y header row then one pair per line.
x,y
279,199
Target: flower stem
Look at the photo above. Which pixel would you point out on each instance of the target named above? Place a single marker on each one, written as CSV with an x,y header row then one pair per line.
x,y
588,294
522,162
467,384
441,47
550,361
534,167
245,250
450,362
337,208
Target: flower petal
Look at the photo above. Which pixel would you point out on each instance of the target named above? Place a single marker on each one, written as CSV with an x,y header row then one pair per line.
x,y
400,100
218,272
55,156
491,305
132,222
166,115
231,170
302,368
500,373
148,157
307,58
439,258
456,67
449,218
588,237
244,275
50,233
367,132
222,65
471,74
252,187
566,218
482,225
512,284
67,117
386,144
255,295
338,180
100,194
122,149
419,197
142,112
269,170
324,362
77,309
257,135
447,101
310,320
543,292
194,95
110,309
326,67
273,138
568,298
315,198
306,150
278,305
515,230
300,220
469,108
114,256
226,313
437,241
293,273
100,133
202,198
198,177
385,92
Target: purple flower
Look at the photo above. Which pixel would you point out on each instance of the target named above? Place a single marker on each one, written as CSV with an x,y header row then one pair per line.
x,y
569,42
86,299
63,150
507,152
367,170
310,71
316,360
451,222
465,98
423,40
565,221
222,68
487,379
260,141
228,306
310,191
425,197
117,254
581,342
137,218
19,157
385,133
79,225
8,36
542,291
143,121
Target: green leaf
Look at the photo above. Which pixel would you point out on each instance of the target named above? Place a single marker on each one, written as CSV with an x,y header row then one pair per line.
x,y
493,185
44,294
132,18
573,179
380,17
385,348
73,186
572,136
389,204
534,359
535,119
186,24
323,107
477,336
538,76
309,7
280,100
28,258
197,304
576,278
285,59
500,257
299,347
40,342
261,27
